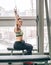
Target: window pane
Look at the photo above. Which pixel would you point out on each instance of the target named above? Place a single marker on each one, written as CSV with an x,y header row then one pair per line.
x,y
24,7
46,44
31,36
46,41
7,36
34,7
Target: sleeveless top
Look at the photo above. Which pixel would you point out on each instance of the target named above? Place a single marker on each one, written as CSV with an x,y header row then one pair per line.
x,y
20,33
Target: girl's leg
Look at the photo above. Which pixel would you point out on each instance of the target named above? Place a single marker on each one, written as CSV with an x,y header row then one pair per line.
x,y
29,48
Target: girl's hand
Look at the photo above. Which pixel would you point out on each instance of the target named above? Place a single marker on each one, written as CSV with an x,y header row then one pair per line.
x,y
15,11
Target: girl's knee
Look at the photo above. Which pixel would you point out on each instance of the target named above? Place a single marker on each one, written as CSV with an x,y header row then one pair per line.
x,y
31,47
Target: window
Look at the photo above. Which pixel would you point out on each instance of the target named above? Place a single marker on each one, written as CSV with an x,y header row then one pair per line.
x,y
24,7
46,43
8,36
31,36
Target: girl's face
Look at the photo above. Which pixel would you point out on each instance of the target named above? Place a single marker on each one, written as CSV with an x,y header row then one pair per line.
x,y
19,22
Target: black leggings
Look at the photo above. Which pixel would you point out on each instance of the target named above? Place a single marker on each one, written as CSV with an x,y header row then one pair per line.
x,y
21,45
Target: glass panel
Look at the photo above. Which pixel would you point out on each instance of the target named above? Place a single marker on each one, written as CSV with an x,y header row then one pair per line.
x,y
24,7
46,41
46,44
7,36
34,7
31,36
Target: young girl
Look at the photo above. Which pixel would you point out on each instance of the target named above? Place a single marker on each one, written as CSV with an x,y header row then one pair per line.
x,y
20,43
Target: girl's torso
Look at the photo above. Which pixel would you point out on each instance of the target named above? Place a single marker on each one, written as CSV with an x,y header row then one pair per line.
x,y
19,38
19,35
